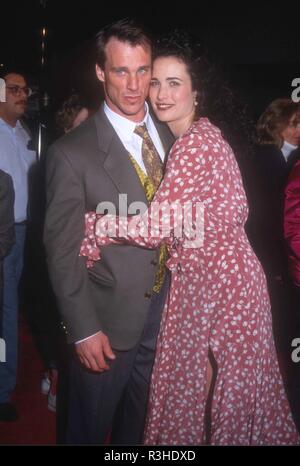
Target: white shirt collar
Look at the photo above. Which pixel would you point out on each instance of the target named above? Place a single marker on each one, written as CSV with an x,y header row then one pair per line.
x,y
3,123
287,148
122,125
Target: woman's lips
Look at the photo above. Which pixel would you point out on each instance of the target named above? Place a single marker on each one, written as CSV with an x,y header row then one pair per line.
x,y
163,106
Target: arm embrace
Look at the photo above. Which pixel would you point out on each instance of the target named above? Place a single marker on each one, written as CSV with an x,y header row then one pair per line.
x,y
173,217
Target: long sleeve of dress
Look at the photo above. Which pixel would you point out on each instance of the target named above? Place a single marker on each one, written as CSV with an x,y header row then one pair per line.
x,y
174,215
182,203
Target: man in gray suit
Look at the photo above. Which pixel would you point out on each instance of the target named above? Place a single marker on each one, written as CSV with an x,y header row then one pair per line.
x,y
110,312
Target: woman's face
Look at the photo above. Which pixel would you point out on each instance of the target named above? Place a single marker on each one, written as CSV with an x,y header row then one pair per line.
x,y
171,94
291,132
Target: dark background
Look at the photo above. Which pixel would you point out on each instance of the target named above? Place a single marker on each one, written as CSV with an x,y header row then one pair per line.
x,y
257,44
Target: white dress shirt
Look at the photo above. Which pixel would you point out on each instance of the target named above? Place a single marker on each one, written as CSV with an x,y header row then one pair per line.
x,y
131,141
16,160
287,149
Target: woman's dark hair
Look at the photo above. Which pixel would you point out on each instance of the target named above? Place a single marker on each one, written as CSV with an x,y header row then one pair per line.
x,y
68,111
216,100
178,44
275,119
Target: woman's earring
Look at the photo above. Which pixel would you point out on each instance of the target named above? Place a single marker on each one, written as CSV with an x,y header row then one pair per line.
x,y
195,103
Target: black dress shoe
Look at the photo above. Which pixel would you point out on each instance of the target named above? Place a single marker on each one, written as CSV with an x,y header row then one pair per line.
x,y
8,412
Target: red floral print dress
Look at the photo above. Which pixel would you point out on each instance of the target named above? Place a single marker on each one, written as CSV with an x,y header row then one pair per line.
x,y
217,301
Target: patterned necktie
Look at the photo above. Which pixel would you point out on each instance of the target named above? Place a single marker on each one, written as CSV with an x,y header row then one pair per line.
x,y
151,158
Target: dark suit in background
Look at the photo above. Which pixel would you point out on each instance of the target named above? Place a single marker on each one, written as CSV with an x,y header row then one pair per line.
x,y
7,232
265,188
86,167
265,185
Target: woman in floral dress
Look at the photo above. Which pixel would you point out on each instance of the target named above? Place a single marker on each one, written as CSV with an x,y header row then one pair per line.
x,y
216,331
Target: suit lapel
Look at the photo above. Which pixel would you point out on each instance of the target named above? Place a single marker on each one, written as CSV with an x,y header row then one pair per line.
x,y
117,163
165,135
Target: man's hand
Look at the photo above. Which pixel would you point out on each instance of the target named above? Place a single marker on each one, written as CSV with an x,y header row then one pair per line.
x,y
93,351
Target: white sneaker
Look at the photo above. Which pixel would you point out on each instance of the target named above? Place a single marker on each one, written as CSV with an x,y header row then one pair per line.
x,y
45,385
51,402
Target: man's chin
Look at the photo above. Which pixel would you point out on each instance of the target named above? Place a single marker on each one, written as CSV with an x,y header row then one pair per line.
x,y
131,110
132,107
20,111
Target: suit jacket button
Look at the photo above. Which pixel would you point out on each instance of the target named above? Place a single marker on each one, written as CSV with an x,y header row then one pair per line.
x,y
147,295
154,262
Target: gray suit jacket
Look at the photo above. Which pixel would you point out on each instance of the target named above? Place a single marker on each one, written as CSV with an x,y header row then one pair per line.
x,y
85,167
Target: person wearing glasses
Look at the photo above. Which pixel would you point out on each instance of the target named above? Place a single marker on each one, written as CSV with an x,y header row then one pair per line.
x,y
16,160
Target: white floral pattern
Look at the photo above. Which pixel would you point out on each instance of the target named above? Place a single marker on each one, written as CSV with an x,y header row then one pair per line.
x,y
218,300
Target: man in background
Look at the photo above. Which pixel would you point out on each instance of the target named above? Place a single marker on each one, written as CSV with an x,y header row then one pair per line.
x,y
16,160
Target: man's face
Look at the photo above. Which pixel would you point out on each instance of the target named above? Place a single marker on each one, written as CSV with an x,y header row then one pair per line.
x,y
16,102
126,78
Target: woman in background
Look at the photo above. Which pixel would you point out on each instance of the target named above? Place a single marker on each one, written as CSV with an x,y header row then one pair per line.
x,y
278,137
71,114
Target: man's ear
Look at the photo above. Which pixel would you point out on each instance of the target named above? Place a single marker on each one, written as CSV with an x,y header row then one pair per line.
x,y
100,73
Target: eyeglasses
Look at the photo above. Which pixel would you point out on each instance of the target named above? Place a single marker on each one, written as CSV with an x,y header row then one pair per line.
x,y
17,90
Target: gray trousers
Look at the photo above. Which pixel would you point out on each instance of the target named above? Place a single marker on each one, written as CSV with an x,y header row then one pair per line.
x,y
111,406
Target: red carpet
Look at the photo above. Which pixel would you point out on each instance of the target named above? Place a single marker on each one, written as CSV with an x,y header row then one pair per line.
x,y
36,424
